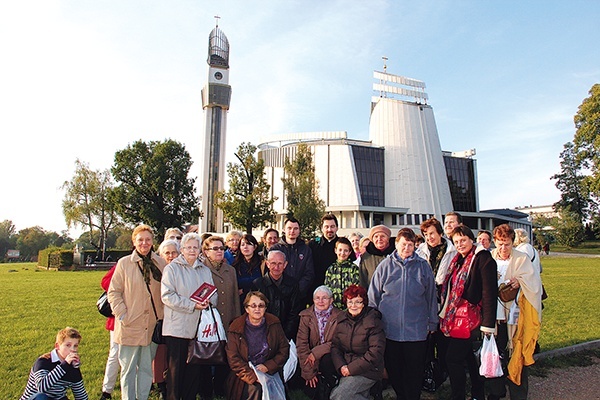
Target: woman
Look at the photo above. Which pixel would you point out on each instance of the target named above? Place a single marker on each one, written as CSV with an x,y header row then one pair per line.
x,y
517,338
168,250
233,244
313,344
182,276
134,296
355,240
403,290
357,347
522,244
255,337
248,265
469,284
225,279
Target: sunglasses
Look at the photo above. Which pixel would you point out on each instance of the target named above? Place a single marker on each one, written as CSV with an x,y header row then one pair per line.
x,y
216,248
256,305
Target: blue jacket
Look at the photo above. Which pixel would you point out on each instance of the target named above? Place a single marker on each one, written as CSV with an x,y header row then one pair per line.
x,y
404,292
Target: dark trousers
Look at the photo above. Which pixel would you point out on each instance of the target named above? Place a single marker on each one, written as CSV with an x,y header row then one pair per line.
x,y
182,378
327,380
212,380
405,364
497,386
458,353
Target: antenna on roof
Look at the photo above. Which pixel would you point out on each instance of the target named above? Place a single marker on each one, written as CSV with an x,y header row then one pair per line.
x,y
217,18
384,58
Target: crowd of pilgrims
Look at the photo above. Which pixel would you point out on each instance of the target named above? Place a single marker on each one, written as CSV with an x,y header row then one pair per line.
x,y
364,312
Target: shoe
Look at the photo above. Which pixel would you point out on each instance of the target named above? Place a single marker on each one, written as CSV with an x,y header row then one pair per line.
x,y
105,396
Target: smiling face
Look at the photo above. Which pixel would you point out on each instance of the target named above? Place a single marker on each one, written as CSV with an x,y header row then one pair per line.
x,y
463,244
355,240
169,253
143,242
450,223
381,241
191,250
276,263
322,300
355,305
329,229
484,239
271,239
342,251
432,236
405,247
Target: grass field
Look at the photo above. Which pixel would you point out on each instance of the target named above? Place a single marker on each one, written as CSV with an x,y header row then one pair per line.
x,y
36,303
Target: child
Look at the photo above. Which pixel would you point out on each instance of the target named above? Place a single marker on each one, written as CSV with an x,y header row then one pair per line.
x,y
53,373
341,273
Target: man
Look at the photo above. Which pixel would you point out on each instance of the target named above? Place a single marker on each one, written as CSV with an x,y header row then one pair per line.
x,y
485,239
298,255
323,248
379,248
282,292
438,252
451,221
270,237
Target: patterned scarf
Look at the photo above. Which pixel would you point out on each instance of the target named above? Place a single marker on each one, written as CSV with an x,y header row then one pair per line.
x,y
322,318
436,254
148,268
458,273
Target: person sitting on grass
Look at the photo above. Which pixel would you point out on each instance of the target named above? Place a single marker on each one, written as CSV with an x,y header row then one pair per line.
x,y
55,372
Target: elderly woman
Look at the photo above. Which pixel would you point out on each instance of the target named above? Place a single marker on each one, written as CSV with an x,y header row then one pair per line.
x,y
403,290
468,301
134,295
225,279
380,246
248,265
357,347
519,320
232,241
522,244
313,343
354,238
182,276
255,337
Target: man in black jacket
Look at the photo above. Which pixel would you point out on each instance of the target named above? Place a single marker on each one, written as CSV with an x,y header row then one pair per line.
x,y
282,292
323,248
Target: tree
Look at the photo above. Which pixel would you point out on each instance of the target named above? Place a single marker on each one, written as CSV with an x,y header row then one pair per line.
x,y
587,140
302,191
569,229
569,181
88,203
247,203
153,185
8,240
31,240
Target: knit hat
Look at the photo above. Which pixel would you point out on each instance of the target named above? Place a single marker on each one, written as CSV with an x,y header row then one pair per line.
x,y
379,229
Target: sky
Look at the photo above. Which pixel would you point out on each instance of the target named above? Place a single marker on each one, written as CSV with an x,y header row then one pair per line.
x,y
82,79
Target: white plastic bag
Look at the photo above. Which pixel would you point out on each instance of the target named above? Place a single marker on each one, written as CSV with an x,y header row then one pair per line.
x,y
290,365
272,386
490,358
210,323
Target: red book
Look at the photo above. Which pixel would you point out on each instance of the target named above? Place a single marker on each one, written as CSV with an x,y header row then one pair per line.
x,y
204,292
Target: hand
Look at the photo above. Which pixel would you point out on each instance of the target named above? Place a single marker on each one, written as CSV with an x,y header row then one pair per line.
x,y
514,283
310,360
262,368
345,371
201,305
312,382
72,358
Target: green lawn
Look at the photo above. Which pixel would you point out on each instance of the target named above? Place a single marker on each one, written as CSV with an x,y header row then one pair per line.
x,y
37,303
592,247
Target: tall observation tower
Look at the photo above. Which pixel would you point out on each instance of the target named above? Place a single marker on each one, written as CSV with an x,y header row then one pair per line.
x,y
216,96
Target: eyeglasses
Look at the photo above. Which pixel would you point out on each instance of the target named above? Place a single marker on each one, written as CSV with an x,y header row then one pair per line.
x,y
175,237
191,248
216,248
261,306
354,302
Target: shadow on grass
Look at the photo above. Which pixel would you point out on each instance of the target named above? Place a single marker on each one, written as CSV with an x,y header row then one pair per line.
x,y
580,359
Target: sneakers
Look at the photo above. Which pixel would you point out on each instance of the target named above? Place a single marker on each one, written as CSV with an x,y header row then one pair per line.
x,y
105,396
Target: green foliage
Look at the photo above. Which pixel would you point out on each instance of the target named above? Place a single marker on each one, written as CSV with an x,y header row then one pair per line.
x,y
8,238
89,203
153,184
247,203
570,183
587,140
569,230
31,240
302,191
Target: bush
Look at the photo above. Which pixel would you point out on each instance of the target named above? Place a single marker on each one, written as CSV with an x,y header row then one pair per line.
x,y
55,257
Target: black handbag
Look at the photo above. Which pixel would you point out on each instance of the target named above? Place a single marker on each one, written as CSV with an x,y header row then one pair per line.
x,y
207,353
104,306
157,336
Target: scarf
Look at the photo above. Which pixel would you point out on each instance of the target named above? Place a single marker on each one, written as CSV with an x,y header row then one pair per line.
x,y
149,268
322,318
436,254
454,287
215,265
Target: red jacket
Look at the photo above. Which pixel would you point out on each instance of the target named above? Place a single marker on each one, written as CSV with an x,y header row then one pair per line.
x,y
105,283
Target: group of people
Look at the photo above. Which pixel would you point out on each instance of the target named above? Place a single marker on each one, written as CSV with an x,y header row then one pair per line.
x,y
382,308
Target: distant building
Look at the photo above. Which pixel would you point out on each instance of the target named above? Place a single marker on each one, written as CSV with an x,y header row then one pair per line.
x,y
400,177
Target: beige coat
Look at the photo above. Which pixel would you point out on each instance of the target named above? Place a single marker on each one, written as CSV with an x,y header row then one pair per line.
x,y
225,279
130,301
